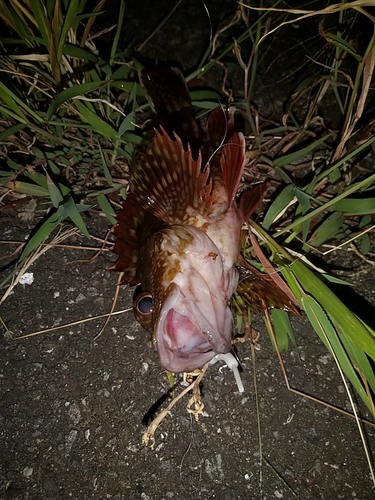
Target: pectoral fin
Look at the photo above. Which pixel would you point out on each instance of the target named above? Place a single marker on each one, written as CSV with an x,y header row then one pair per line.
x,y
129,221
258,291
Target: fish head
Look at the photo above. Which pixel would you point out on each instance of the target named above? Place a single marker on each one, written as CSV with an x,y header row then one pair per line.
x,y
190,320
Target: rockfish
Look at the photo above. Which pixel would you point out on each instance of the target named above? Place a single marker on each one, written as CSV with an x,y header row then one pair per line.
x,y
178,234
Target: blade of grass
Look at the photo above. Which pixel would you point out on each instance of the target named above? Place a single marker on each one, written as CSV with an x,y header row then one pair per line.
x,y
352,189
27,188
23,105
290,158
11,131
282,328
95,121
324,328
72,211
70,18
106,207
278,206
356,206
118,32
70,93
42,232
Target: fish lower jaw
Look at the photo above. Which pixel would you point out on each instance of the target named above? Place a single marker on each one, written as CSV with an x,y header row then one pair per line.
x,y
183,347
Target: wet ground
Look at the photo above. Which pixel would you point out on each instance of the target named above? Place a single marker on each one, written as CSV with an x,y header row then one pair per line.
x,y
74,407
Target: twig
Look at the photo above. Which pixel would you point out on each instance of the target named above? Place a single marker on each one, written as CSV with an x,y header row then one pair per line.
x,y
149,434
66,325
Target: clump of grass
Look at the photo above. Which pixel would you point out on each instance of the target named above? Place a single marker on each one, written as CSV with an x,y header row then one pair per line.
x,y
67,114
320,196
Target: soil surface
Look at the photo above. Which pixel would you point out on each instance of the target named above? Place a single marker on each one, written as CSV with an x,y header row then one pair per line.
x,y
74,407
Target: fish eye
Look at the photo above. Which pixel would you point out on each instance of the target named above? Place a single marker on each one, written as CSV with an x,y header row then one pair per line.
x,y
142,307
144,303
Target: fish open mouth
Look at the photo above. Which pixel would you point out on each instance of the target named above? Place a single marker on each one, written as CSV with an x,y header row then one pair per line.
x,y
184,335
187,340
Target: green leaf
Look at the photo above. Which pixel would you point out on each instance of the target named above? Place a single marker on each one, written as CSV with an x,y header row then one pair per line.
x,y
205,104
54,168
79,53
38,9
13,165
118,32
342,44
96,122
324,328
10,101
314,286
107,173
41,234
290,158
106,208
356,206
54,192
38,178
70,93
306,83
365,244
11,131
278,205
327,230
133,138
69,21
27,188
346,158
304,200
337,311
205,95
283,328
352,189
126,123
282,174
122,73
359,359
7,93
73,212
127,86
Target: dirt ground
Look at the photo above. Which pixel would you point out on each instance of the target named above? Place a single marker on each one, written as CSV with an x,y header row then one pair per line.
x,y
74,407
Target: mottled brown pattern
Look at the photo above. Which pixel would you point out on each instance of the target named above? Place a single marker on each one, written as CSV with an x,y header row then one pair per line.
x,y
179,231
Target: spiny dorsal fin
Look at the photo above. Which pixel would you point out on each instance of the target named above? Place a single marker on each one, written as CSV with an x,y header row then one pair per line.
x,y
232,163
169,184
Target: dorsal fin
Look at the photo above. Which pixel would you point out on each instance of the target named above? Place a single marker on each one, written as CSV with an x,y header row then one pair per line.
x,y
232,163
169,184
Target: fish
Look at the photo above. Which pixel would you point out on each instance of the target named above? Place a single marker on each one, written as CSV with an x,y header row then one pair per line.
x,y
178,235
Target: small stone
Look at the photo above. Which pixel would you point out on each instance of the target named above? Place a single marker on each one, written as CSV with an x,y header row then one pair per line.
x,y
27,471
